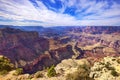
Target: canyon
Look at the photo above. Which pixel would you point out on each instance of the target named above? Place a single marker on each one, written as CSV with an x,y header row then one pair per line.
x,y
35,49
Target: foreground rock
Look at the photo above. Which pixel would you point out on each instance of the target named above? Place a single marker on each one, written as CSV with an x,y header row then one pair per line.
x,y
107,69
70,65
74,69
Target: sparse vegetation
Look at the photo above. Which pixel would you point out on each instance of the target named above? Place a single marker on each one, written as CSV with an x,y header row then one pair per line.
x,y
3,72
18,71
5,65
114,73
109,71
107,65
118,61
51,71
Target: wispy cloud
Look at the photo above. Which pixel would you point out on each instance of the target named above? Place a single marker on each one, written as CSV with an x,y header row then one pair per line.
x,y
47,13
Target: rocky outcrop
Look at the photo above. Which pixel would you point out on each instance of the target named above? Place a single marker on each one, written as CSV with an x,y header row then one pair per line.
x,y
70,65
11,76
106,69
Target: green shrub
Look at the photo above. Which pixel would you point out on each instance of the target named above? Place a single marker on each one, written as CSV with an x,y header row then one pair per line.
x,y
114,73
118,61
5,65
107,65
51,72
18,71
3,72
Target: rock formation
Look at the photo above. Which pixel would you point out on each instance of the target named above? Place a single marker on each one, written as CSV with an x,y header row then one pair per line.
x,y
106,69
26,49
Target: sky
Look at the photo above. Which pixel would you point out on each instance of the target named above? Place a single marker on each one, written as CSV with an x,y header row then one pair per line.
x,y
60,12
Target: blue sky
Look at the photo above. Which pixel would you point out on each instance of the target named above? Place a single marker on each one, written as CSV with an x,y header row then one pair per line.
x,y
60,12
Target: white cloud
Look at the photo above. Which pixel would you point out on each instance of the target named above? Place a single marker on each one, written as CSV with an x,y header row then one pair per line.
x,y
21,10
101,14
